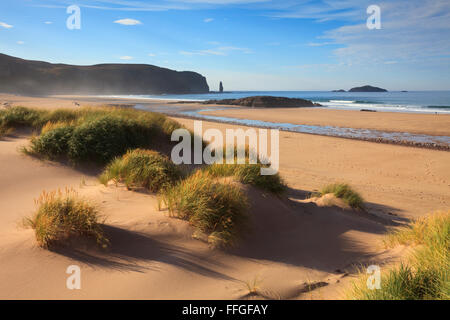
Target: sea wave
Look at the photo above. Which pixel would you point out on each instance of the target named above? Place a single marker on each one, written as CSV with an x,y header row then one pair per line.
x,y
342,101
438,107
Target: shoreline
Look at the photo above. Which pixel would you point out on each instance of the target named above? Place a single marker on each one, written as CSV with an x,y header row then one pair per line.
x,y
413,144
341,123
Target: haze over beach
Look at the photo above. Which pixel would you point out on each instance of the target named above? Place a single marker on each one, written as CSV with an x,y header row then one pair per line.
x,y
224,150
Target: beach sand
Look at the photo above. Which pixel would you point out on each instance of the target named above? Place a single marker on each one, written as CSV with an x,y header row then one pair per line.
x,y
430,124
154,256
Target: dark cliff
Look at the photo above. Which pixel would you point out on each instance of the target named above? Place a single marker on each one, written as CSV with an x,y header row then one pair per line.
x,y
41,78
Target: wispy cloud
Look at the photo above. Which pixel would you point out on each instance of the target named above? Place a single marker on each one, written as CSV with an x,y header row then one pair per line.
x,y
218,51
207,20
20,42
5,25
48,22
128,22
155,5
126,58
202,53
411,32
152,55
319,44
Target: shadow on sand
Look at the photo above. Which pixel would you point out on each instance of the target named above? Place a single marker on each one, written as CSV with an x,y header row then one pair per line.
x,y
137,252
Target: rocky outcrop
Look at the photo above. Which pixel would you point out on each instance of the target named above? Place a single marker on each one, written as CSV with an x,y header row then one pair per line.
x,y
266,102
340,90
367,89
21,76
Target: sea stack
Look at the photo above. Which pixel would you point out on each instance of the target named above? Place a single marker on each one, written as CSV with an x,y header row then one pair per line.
x,y
220,87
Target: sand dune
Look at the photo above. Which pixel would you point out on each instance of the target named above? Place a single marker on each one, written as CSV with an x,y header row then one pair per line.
x,y
154,256
394,180
294,248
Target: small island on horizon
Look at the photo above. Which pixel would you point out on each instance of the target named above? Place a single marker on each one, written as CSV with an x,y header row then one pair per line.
x,y
365,88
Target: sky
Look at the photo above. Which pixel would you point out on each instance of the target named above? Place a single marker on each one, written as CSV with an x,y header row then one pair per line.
x,y
247,44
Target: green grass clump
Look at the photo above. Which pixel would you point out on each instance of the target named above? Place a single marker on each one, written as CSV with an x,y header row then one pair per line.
x,y
90,134
142,168
433,230
215,208
248,174
62,215
104,138
346,193
16,117
426,274
53,143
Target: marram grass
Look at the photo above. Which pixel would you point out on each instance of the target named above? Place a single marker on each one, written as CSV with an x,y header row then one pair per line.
x,y
344,192
142,168
89,134
248,174
425,276
61,215
216,208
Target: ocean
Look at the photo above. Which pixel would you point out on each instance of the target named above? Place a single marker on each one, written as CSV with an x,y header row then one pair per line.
x,y
395,101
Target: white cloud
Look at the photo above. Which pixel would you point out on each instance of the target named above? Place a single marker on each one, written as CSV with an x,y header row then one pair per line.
x,y
319,44
126,58
20,42
202,53
128,22
48,22
208,20
155,5
219,51
5,25
152,55
411,32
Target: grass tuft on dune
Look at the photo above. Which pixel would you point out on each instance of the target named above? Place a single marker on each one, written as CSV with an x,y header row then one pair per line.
x,y
216,208
63,215
248,174
426,274
344,192
89,134
142,168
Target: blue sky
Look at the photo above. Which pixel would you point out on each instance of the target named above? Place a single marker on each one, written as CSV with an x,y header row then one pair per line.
x,y
248,44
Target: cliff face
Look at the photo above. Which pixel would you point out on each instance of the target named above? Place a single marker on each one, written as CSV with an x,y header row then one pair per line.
x,y
40,78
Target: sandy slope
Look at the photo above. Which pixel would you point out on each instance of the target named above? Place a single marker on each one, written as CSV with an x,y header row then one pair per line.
x,y
153,256
404,181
